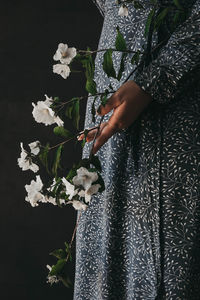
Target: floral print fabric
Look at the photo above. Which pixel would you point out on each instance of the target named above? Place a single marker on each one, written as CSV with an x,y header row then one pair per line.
x,y
140,238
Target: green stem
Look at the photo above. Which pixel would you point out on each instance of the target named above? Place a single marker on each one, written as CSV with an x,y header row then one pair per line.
x,y
73,235
62,104
103,50
73,137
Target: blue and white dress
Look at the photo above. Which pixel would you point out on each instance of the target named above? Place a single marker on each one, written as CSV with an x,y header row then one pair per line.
x,y
140,238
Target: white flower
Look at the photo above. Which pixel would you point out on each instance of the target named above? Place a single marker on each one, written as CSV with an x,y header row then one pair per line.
x,y
84,178
78,205
25,162
42,113
49,200
34,192
35,147
62,70
65,54
70,188
123,11
89,192
51,278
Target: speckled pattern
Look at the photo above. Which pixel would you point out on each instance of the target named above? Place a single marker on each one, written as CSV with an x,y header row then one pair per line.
x,y
140,238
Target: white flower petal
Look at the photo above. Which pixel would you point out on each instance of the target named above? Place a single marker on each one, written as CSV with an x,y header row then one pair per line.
x,y
48,101
25,162
64,54
91,191
33,167
50,200
123,11
84,178
62,70
78,205
49,267
42,113
35,147
51,279
81,193
68,55
33,189
70,188
58,121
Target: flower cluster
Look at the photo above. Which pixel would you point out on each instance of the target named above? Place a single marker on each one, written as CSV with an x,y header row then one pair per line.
x,y
34,190
82,188
51,278
78,194
43,113
65,55
25,160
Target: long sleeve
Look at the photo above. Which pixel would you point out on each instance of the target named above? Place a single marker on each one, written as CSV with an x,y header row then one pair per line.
x,y
100,4
174,67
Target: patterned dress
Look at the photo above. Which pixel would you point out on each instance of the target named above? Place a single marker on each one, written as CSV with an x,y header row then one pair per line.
x,y
140,238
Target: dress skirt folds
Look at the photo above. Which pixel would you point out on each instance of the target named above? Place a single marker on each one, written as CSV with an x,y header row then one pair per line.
x,y
140,238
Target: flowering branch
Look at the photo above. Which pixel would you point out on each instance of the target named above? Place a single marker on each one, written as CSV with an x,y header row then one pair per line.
x,y
84,180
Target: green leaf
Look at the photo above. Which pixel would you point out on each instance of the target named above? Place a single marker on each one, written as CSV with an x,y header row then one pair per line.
x,y
56,99
178,5
68,251
160,18
149,22
120,43
56,186
122,65
43,156
138,5
69,110
96,162
66,281
91,86
89,66
176,17
72,111
59,253
83,142
84,139
56,163
61,131
76,113
56,269
104,100
136,57
71,173
85,162
108,64
93,110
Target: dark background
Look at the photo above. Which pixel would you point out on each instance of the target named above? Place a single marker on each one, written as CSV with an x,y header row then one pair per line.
x,y
29,34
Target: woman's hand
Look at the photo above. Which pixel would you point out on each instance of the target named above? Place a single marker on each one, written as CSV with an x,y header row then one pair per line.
x,y
128,102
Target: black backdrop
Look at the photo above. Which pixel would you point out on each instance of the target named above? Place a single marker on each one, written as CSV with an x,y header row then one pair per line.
x,y
29,34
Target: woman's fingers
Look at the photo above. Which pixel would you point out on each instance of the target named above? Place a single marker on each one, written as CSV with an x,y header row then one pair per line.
x,y
91,134
119,120
107,131
114,101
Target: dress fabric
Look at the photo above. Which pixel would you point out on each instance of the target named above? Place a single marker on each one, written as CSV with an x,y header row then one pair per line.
x,y
140,238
